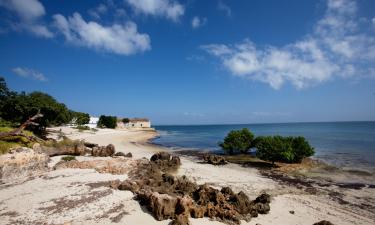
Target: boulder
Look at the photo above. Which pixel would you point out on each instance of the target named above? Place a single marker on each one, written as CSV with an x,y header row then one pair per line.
x,y
128,155
90,145
22,162
214,159
103,151
323,222
165,161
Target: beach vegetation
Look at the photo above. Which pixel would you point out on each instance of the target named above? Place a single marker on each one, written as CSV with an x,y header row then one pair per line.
x,y
82,127
68,158
80,117
107,121
282,149
125,120
237,141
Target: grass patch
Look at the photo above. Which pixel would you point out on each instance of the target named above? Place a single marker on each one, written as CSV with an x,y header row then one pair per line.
x,y
68,158
64,142
5,146
82,127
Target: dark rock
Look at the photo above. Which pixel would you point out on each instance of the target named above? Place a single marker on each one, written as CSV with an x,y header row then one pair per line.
x,y
165,161
291,211
128,155
323,222
214,159
90,145
103,151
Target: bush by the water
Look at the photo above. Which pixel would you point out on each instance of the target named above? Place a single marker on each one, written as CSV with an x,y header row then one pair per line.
x,y
282,149
269,148
82,128
107,121
237,141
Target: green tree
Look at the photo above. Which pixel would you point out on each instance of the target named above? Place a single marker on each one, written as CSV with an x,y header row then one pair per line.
x,y
125,120
81,118
237,141
282,149
107,121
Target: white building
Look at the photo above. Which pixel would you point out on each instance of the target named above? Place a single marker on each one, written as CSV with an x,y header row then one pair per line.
x,y
135,123
93,122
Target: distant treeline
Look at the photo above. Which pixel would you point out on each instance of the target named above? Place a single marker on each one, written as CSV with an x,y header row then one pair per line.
x,y
17,107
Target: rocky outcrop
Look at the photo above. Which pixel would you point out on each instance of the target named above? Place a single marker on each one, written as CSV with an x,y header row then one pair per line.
x,y
103,151
128,155
214,159
22,162
75,148
165,161
177,198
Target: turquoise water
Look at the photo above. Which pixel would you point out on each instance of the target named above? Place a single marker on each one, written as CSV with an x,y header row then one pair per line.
x,y
344,144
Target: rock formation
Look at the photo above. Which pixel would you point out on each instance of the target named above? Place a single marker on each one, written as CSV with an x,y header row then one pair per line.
x,y
177,198
22,162
214,159
103,151
323,222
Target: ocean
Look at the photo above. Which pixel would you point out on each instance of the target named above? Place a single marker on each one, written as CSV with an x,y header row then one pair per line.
x,y
343,144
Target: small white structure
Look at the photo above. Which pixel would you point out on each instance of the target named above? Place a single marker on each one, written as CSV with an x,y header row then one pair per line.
x,y
93,122
135,123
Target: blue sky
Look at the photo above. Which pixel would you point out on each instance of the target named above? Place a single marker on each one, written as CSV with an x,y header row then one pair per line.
x,y
196,62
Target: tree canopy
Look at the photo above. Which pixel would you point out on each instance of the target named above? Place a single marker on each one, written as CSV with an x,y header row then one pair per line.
x,y
237,141
18,107
107,121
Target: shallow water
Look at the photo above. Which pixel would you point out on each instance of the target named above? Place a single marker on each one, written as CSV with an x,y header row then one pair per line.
x,y
343,144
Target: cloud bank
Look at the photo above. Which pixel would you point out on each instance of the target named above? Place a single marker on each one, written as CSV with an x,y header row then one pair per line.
x,y
119,39
29,73
336,47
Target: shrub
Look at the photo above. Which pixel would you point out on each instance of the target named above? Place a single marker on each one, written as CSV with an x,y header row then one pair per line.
x,y
68,158
107,121
82,128
125,120
282,149
237,141
80,118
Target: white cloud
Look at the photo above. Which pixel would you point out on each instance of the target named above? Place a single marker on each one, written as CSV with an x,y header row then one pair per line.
x,y
29,13
225,8
198,22
167,8
118,38
336,47
29,73
98,11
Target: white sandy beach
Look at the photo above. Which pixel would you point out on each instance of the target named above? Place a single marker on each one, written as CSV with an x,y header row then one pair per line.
x,y
82,196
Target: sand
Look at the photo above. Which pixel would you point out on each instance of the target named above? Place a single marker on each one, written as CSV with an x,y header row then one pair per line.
x,y
83,196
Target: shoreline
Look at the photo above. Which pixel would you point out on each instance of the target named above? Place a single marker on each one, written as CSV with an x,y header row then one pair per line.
x,y
309,202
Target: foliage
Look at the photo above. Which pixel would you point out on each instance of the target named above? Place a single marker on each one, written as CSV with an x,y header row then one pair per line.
x,y
64,142
16,108
82,128
68,158
237,141
80,117
282,149
125,120
107,121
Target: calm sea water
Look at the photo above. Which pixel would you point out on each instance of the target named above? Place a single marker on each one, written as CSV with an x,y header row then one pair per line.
x,y
344,144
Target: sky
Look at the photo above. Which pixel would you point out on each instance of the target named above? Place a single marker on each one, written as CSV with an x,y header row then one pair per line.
x,y
195,62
